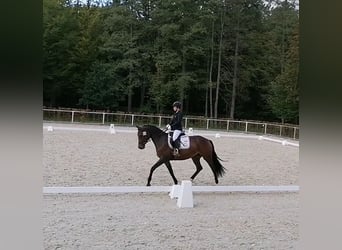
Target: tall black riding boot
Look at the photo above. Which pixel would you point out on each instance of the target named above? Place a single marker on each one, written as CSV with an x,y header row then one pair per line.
x,y
175,148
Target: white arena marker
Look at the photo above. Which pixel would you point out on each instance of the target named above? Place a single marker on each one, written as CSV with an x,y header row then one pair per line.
x,y
175,191
260,138
217,135
284,143
185,198
112,129
191,131
50,128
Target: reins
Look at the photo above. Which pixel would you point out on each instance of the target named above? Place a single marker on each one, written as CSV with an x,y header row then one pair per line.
x,y
162,131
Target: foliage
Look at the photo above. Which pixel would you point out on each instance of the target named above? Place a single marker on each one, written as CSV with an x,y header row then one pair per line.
x,y
142,55
284,99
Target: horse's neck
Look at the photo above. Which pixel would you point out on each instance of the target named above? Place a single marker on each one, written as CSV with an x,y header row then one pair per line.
x,y
158,139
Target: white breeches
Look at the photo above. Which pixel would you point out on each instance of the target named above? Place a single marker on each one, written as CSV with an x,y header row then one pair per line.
x,y
176,133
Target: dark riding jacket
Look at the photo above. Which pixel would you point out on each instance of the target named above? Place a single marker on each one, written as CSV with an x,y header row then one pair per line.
x,y
176,122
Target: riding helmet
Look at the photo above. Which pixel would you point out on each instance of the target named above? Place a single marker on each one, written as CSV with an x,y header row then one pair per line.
x,y
177,104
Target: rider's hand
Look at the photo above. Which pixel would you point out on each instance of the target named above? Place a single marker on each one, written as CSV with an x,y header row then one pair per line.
x,y
168,127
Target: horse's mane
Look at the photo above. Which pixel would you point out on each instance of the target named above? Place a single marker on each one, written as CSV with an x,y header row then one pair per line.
x,y
153,129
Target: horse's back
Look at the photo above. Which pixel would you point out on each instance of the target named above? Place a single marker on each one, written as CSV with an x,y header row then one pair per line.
x,y
199,141
198,137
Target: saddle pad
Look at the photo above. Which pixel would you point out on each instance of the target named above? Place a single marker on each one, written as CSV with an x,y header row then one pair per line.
x,y
184,142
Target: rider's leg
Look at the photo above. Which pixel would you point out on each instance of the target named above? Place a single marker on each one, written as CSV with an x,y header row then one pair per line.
x,y
175,136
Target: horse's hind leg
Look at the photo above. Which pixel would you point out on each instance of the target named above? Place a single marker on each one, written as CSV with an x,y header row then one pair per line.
x,y
211,165
196,160
169,167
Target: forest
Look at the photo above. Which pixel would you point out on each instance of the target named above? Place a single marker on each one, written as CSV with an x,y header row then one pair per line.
x,y
235,59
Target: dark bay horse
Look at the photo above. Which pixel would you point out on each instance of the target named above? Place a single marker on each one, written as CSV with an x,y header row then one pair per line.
x,y
199,147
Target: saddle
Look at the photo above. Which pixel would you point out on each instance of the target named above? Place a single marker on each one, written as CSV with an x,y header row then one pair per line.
x,y
183,139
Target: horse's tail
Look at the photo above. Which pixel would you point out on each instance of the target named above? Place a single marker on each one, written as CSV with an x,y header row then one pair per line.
x,y
217,166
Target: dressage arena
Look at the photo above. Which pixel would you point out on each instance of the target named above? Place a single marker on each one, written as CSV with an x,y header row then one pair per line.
x,y
76,155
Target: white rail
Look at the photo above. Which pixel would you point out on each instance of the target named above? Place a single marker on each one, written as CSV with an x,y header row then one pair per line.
x,y
122,130
79,116
163,189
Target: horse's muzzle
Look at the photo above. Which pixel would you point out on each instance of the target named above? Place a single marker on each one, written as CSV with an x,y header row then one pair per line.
x,y
141,146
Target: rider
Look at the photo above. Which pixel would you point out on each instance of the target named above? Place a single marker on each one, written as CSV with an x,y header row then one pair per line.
x,y
176,126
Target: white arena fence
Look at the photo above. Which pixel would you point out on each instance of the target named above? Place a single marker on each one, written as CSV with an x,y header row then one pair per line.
x,y
122,119
183,193
167,189
112,130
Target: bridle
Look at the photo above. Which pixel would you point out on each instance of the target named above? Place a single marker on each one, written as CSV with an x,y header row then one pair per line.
x,y
146,136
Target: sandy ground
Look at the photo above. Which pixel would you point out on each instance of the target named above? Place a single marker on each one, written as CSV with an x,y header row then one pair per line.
x,y
153,221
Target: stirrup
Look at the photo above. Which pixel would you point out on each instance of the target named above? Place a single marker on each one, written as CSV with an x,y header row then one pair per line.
x,y
175,152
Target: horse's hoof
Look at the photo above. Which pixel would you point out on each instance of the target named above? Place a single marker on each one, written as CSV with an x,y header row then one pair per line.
x,y
148,185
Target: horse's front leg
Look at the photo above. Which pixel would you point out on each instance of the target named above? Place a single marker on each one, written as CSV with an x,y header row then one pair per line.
x,y
157,164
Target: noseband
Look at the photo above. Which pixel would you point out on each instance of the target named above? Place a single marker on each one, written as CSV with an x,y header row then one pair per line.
x,y
144,135
144,139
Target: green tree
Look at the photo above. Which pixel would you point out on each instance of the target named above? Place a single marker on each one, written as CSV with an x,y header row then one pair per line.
x,y
123,48
100,89
180,51
232,58
60,32
284,98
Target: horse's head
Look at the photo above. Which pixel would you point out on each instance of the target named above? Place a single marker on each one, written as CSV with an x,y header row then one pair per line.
x,y
143,137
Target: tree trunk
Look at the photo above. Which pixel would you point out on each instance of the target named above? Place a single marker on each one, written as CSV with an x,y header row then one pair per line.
x,y
129,99
53,97
130,80
206,102
282,56
235,78
219,67
142,95
207,87
182,88
158,108
211,70
186,105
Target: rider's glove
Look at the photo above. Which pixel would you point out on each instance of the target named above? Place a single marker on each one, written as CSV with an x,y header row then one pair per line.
x,y
168,127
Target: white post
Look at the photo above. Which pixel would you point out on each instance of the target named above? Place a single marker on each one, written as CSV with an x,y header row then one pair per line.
x,y
186,122
103,118
265,128
185,198
72,116
112,129
132,120
280,130
246,130
159,121
191,131
207,123
227,125
294,133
